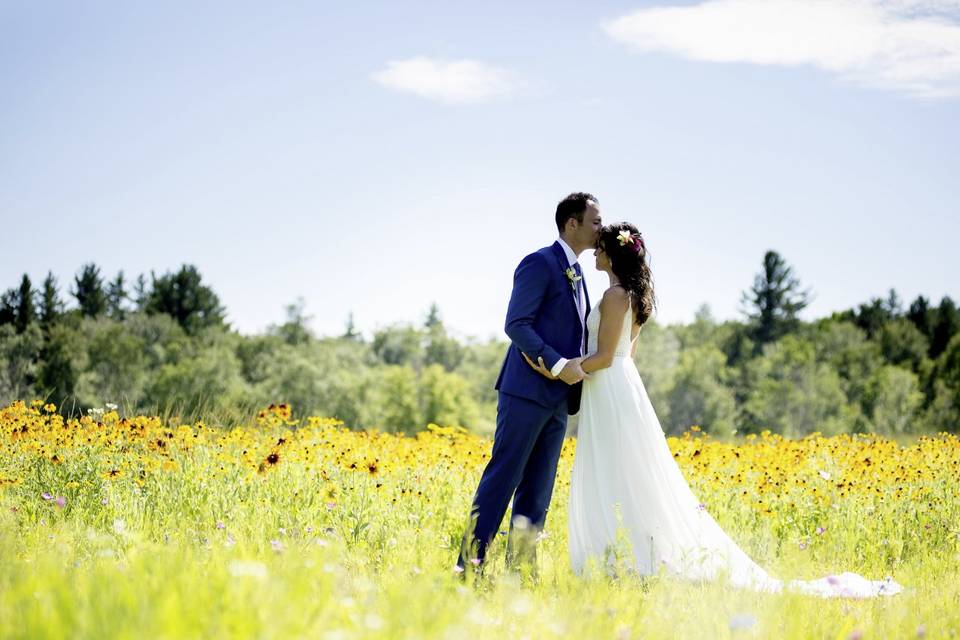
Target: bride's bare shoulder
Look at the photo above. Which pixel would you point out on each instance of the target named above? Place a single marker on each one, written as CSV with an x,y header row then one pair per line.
x,y
615,297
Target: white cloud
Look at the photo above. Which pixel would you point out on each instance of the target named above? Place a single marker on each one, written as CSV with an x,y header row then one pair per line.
x,y
449,81
907,45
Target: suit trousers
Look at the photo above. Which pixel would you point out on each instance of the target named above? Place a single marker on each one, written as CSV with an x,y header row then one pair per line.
x,y
523,465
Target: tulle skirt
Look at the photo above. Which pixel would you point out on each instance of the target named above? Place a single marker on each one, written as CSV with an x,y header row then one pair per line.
x,y
625,480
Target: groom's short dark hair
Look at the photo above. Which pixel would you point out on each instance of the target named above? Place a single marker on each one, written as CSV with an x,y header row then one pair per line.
x,y
573,206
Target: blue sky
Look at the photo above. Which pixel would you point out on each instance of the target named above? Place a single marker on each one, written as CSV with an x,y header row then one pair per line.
x,y
374,158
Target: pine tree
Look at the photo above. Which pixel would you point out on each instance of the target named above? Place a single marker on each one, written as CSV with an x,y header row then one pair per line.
x,y
140,292
26,311
922,316
774,301
116,296
433,317
893,304
183,296
872,316
8,307
947,325
51,307
351,333
91,298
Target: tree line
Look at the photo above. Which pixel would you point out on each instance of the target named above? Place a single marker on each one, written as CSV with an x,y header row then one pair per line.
x,y
160,344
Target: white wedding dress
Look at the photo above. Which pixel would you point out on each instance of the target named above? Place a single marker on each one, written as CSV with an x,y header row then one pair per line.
x,y
625,477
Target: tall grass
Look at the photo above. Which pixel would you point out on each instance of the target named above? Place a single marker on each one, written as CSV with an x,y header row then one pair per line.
x,y
280,528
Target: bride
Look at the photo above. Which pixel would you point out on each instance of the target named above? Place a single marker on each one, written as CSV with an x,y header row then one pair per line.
x,y
624,475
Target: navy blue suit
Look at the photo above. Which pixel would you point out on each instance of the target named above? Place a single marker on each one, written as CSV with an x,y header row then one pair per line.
x,y
542,321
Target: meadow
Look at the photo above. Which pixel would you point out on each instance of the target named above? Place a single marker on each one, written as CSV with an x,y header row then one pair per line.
x,y
279,527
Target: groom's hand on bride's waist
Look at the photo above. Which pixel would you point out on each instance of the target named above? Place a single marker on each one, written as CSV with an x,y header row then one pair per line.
x,y
571,373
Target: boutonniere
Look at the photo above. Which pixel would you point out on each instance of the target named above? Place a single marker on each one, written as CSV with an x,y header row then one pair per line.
x,y
573,278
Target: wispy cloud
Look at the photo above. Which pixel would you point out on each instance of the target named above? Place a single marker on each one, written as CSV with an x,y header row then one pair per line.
x,y
448,81
907,45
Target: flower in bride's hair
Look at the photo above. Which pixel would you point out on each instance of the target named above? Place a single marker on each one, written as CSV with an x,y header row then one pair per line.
x,y
625,237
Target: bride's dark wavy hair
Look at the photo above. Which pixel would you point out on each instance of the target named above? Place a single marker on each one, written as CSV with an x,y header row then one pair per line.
x,y
630,264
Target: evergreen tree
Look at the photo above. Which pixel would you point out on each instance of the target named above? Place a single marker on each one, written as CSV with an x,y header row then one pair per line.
x,y
351,333
26,311
873,315
893,304
903,344
433,317
140,292
922,316
116,297
8,307
774,301
51,306
91,298
440,348
184,297
947,326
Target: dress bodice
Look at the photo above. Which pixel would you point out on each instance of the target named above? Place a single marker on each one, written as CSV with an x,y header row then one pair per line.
x,y
593,329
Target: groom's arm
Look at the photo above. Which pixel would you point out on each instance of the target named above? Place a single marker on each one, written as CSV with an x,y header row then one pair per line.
x,y
530,283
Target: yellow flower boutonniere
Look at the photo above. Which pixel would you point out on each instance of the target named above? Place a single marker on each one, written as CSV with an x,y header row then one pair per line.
x,y
573,278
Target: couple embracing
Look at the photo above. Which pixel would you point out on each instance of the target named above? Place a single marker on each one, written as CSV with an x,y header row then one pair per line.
x,y
567,357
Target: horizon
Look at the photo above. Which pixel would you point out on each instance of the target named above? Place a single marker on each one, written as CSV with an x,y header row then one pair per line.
x,y
368,332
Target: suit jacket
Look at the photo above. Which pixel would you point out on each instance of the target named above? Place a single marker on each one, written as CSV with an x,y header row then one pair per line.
x,y
542,320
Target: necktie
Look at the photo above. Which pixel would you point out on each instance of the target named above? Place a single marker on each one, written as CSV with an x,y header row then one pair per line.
x,y
579,272
580,307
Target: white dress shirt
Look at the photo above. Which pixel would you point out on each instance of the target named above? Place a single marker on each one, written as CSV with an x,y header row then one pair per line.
x,y
581,306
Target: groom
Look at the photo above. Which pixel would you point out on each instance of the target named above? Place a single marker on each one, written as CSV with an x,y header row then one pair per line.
x,y
546,319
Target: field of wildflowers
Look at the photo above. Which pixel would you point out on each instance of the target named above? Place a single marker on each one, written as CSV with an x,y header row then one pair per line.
x,y
283,527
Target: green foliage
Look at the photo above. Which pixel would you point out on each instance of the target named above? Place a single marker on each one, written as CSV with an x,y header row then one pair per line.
x,y
445,398
117,297
295,330
114,368
89,292
19,353
894,401
51,306
946,327
922,317
8,307
26,312
184,297
793,393
901,343
944,410
398,400
400,345
874,315
168,350
205,380
701,394
57,379
441,349
774,301
657,358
